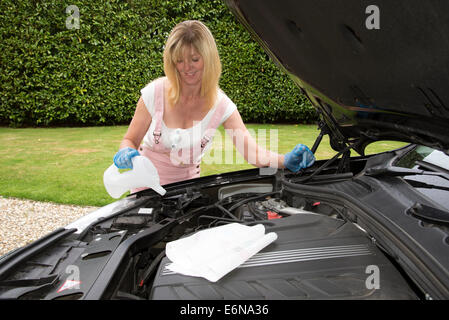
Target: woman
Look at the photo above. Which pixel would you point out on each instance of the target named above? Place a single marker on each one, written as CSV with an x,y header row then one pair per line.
x,y
177,115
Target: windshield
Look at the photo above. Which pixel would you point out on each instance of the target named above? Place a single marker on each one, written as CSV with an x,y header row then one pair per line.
x,y
435,187
426,157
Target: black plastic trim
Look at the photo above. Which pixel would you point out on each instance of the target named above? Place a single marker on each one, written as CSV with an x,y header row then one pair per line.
x,y
109,274
26,252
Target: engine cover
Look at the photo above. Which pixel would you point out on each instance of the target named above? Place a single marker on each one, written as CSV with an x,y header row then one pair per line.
x,y
314,257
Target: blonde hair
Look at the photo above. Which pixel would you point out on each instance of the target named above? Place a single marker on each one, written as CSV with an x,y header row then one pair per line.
x,y
192,33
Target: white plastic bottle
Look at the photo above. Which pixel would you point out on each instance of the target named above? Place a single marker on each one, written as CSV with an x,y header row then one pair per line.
x,y
143,175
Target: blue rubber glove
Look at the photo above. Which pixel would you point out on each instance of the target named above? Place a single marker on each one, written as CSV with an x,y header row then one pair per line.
x,y
122,158
299,158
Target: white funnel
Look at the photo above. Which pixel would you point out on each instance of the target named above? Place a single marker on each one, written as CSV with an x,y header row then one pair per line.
x,y
143,175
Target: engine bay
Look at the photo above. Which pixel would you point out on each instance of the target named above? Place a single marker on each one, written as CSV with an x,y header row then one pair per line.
x,y
327,246
319,254
314,257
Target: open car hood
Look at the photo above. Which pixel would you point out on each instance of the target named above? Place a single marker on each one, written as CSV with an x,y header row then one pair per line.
x,y
389,83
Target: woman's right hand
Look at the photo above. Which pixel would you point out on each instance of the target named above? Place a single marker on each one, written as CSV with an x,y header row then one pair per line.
x,y
122,158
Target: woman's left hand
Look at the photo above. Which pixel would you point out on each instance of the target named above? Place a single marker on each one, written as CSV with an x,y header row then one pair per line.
x,y
299,158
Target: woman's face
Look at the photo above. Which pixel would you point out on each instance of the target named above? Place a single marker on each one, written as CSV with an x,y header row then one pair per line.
x,y
190,66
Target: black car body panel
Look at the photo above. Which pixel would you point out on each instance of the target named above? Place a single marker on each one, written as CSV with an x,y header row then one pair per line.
x,y
369,84
341,218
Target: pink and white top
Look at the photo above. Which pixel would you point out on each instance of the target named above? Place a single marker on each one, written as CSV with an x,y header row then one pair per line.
x,y
175,152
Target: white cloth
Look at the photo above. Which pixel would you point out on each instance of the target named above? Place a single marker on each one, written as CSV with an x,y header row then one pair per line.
x,y
186,135
214,252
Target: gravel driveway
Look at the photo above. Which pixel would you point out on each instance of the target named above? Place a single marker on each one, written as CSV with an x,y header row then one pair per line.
x,y
23,221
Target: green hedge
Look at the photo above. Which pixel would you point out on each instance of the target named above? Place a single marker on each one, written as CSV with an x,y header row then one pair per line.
x,y
52,75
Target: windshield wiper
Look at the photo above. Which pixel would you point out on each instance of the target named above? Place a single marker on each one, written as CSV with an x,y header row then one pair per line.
x,y
430,166
420,184
400,172
429,213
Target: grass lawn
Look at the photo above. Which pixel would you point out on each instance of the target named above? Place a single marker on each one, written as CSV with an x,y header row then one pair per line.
x,y
66,165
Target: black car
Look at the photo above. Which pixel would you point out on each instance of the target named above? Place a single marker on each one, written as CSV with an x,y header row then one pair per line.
x,y
351,227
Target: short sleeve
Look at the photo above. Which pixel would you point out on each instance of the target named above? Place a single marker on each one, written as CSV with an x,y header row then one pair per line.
x,y
230,108
148,97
